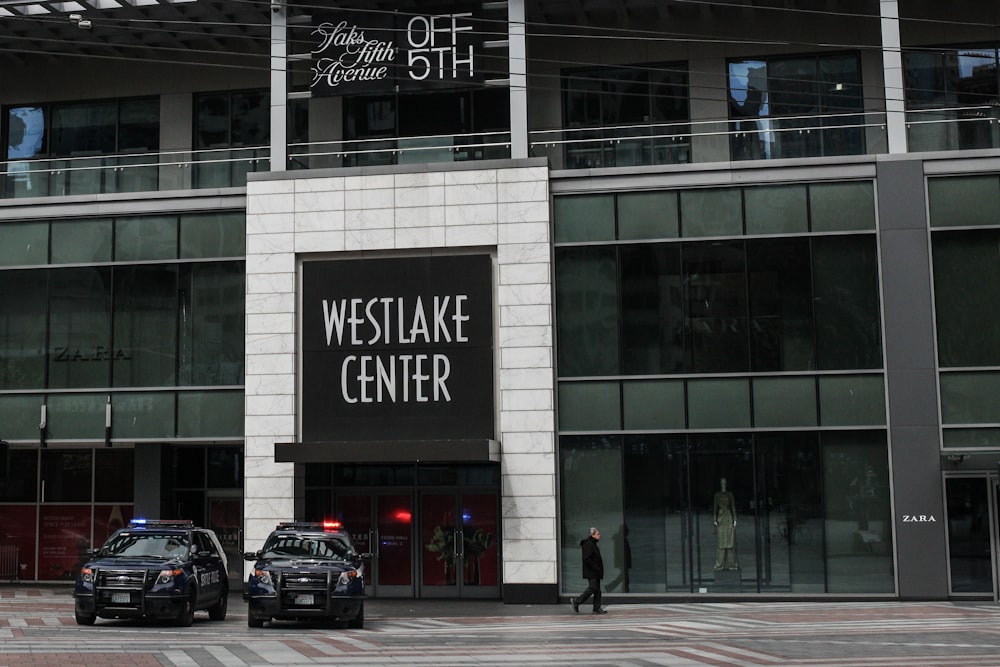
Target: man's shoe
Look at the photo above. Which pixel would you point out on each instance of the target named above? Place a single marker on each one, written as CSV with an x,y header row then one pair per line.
x,y
600,611
576,606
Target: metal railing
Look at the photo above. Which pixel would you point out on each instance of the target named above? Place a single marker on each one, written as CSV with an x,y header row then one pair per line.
x,y
400,150
953,128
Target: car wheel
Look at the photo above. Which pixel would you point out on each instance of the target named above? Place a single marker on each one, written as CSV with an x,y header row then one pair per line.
x,y
218,612
186,617
85,619
358,621
255,622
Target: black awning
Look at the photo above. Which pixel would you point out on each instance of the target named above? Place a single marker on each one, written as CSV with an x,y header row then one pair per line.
x,y
479,450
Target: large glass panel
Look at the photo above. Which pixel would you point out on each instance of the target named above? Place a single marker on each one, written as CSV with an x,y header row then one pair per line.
x,y
211,326
969,538
748,104
654,529
851,400
711,212
18,523
846,298
963,201
23,299
20,415
836,207
139,125
652,309
480,546
143,415
80,327
719,403
67,476
114,475
225,468
776,209
145,326
587,311
213,235
212,112
145,238
81,241
784,402
592,496
76,416
24,244
782,337
970,398
584,218
207,414
716,305
589,406
84,128
647,215
966,291
64,535
394,565
653,404
971,437
19,483
858,517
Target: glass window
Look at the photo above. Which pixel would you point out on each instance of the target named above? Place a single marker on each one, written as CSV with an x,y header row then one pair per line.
x,y
647,215
66,475
145,329
969,537
139,125
19,482
964,201
24,243
783,402
142,415
26,137
145,238
776,209
20,415
114,472
79,327
212,312
225,467
970,398
85,128
653,404
584,218
836,207
781,305
587,311
81,241
213,235
23,298
251,119
187,466
652,309
716,306
845,293
76,416
851,400
207,414
212,112
718,403
589,406
966,291
711,212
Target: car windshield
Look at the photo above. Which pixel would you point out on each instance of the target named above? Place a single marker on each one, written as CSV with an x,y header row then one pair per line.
x,y
307,546
133,543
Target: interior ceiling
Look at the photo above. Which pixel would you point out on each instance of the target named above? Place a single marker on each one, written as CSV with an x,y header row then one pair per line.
x,y
204,31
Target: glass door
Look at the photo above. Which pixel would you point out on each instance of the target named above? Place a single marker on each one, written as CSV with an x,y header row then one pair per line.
x,y
382,524
459,555
225,517
972,534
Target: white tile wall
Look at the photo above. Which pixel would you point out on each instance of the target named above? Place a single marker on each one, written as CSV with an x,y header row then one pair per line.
x,y
502,209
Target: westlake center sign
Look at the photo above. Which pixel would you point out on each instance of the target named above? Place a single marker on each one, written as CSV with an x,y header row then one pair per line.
x,y
397,349
369,52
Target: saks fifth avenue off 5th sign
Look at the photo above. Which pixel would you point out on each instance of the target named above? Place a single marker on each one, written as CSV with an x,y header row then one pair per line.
x,y
366,52
397,349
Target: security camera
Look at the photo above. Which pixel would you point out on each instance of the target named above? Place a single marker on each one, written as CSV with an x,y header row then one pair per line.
x,y
276,6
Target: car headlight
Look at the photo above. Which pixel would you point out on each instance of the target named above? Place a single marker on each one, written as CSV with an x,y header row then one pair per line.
x,y
347,577
87,575
167,576
264,577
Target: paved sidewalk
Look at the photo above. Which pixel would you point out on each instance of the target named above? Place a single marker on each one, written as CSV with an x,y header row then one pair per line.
x,y
37,629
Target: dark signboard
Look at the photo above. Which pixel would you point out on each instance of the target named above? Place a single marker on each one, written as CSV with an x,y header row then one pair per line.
x,y
397,349
369,52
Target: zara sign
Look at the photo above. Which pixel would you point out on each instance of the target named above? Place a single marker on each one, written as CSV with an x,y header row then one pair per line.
x,y
397,349
367,52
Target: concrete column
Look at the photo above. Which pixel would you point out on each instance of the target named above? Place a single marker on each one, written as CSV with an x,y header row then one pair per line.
x,y
892,64
517,55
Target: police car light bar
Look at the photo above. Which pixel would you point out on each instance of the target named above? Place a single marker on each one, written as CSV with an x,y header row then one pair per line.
x,y
326,526
161,523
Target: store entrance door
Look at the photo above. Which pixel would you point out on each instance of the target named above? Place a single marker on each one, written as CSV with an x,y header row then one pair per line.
x,y
973,534
225,517
424,543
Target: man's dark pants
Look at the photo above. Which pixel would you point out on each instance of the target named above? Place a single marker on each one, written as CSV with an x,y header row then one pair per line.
x,y
593,588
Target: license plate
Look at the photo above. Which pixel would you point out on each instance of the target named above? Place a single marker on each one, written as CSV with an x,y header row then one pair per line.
x,y
304,599
120,598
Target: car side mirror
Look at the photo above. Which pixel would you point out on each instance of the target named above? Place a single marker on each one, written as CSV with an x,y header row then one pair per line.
x,y
92,552
365,556
251,555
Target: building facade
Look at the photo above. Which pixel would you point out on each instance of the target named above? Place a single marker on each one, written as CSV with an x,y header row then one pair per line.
x,y
716,278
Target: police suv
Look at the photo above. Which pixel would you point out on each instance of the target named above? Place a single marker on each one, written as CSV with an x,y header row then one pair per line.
x,y
154,569
307,571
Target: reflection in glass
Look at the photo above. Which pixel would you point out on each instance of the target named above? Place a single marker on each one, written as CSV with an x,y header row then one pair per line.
x,y
969,538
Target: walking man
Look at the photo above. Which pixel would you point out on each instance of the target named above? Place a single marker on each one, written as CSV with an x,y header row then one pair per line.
x,y
593,571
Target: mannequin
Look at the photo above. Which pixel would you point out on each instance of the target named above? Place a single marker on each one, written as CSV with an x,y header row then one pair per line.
x,y
724,514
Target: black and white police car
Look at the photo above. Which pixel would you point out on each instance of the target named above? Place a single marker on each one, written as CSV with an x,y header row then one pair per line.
x,y
154,569
307,571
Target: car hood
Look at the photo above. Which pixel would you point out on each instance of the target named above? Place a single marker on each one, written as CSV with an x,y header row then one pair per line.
x,y
305,564
124,562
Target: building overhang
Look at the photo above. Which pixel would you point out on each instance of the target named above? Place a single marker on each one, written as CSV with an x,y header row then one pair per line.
x,y
472,450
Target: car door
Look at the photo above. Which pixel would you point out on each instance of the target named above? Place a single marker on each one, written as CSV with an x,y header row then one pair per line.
x,y
211,568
